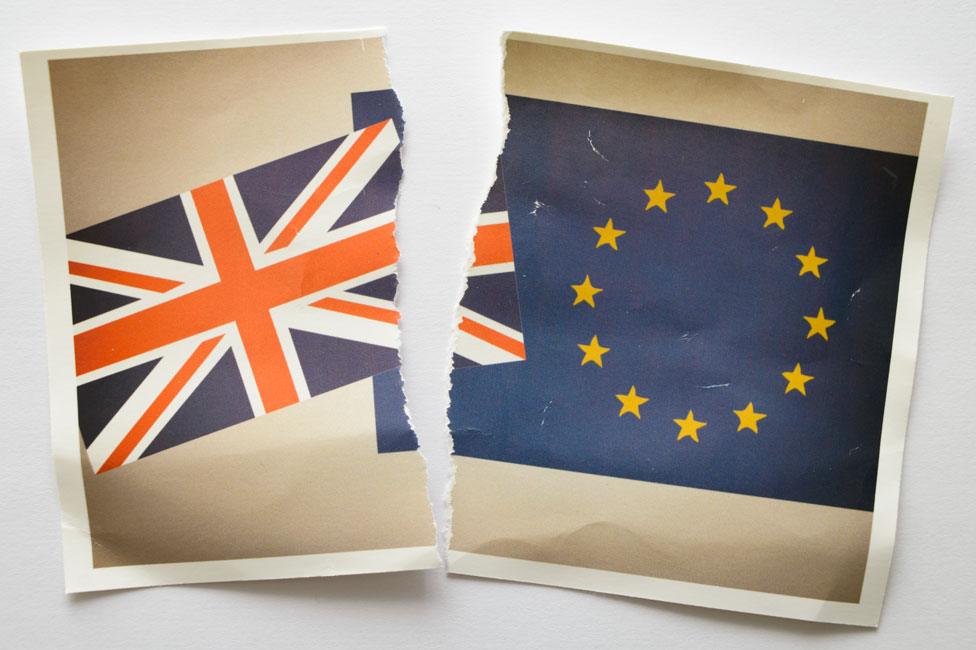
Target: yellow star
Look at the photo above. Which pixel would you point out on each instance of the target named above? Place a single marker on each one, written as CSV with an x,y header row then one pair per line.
x,y
689,427
719,190
796,380
819,324
631,403
775,213
748,418
608,235
585,292
658,198
593,352
811,263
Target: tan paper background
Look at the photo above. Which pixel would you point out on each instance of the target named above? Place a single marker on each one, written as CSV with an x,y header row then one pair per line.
x,y
306,479
716,97
663,531
139,128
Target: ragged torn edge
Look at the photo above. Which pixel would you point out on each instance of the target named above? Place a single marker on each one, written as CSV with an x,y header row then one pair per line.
x,y
397,298
472,232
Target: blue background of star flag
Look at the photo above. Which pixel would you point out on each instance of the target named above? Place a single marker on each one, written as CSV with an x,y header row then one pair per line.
x,y
702,307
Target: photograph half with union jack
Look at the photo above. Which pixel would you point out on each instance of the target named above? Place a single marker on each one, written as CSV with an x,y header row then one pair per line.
x,y
702,288
217,226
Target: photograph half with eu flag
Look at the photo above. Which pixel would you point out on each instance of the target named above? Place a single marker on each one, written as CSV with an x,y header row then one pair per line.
x,y
687,344
221,268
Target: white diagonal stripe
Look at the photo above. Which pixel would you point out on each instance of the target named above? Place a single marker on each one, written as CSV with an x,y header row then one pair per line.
x,y
173,358
482,352
491,269
324,238
199,236
132,262
481,319
333,323
191,385
111,287
247,373
244,221
345,191
492,218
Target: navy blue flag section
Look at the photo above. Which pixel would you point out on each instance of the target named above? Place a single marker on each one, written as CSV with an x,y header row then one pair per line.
x,y
701,306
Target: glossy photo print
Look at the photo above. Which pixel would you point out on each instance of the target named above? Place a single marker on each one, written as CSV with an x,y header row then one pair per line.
x,y
220,261
686,348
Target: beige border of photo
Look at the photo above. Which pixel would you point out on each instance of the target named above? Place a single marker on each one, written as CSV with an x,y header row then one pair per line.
x,y
901,377
80,574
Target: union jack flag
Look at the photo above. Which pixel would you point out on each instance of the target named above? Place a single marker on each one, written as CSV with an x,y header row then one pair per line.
x,y
237,298
490,330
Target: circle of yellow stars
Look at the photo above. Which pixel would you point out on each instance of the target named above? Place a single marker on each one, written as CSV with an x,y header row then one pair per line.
x,y
609,234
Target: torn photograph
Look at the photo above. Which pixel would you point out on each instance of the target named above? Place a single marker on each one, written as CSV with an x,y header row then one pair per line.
x,y
686,349
217,227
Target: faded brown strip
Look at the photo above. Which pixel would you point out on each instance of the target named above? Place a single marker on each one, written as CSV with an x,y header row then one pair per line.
x,y
306,479
138,128
694,94
663,531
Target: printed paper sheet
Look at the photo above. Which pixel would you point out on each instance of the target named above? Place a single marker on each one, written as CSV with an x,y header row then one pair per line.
x,y
217,223
686,349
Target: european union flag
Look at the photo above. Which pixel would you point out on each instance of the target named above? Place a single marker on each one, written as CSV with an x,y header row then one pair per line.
x,y
701,306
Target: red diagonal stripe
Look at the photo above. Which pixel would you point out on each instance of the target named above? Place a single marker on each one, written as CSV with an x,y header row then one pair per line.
x,y
326,187
125,278
358,309
493,337
165,397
